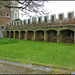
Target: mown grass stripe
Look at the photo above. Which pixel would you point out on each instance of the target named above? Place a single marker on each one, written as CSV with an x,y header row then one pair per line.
x,y
34,52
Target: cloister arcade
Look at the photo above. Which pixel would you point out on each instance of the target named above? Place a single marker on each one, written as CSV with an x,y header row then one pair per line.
x,y
22,35
40,35
30,35
52,36
65,35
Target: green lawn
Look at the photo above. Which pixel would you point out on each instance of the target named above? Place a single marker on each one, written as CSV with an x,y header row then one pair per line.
x,y
46,53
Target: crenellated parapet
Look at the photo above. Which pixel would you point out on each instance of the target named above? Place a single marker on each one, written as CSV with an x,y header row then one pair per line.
x,y
34,20
40,21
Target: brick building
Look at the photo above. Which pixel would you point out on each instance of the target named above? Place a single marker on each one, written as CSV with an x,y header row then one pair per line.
x,y
37,29
6,15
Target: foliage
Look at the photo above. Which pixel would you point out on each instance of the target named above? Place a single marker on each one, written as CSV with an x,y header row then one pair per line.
x,y
46,53
7,41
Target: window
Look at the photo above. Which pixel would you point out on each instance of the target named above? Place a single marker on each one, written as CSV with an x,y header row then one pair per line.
x,y
52,18
39,19
60,17
70,15
2,27
45,19
28,21
7,15
24,21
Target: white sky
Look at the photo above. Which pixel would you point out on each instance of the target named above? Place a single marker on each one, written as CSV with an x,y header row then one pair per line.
x,y
56,7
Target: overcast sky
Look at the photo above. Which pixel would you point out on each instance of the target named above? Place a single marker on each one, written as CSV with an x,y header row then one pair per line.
x,y
56,7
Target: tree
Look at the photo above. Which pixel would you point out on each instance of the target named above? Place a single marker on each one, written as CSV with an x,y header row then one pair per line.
x,y
29,7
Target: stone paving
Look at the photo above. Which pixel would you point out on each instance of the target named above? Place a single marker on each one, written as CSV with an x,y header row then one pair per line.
x,y
72,73
14,69
26,65
7,67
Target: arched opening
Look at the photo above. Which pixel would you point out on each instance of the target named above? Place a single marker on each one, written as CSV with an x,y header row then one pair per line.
x,y
11,34
52,36
67,36
22,36
39,35
16,35
30,35
7,34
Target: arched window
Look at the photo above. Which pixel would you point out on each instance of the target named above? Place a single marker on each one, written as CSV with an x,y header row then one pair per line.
x,y
7,14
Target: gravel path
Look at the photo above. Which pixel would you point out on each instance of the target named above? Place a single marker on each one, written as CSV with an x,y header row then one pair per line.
x,y
10,68
13,69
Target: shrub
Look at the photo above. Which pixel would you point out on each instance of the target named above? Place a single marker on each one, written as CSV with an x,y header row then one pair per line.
x,y
7,40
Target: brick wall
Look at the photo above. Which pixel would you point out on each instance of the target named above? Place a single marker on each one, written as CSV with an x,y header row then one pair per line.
x,y
3,22
5,14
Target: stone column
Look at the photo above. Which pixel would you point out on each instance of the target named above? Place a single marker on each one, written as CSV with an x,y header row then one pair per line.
x,y
74,37
45,36
25,35
9,34
14,35
19,34
58,36
34,35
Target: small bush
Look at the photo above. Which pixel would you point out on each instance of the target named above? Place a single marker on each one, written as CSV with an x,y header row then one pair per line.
x,y
7,40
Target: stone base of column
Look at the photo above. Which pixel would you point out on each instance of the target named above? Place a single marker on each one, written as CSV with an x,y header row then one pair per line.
x,y
26,35
19,34
45,36
34,36
74,37
9,34
14,35
58,36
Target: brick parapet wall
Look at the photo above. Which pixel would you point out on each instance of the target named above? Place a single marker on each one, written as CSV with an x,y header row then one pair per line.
x,y
41,22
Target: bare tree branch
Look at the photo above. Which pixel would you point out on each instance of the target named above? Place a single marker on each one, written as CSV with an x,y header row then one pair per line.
x,y
27,6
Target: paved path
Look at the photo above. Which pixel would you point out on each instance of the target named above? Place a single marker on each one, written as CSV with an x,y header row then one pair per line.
x,y
13,69
9,68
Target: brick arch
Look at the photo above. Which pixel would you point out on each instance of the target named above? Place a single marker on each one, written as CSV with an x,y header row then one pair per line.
x,y
51,29
66,29
39,30
16,34
51,35
22,34
30,30
39,35
30,35
67,36
11,34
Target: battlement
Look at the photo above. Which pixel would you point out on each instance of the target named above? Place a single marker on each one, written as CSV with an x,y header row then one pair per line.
x,y
38,21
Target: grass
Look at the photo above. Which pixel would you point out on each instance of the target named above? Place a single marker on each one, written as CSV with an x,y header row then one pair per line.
x,y
46,53
7,41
